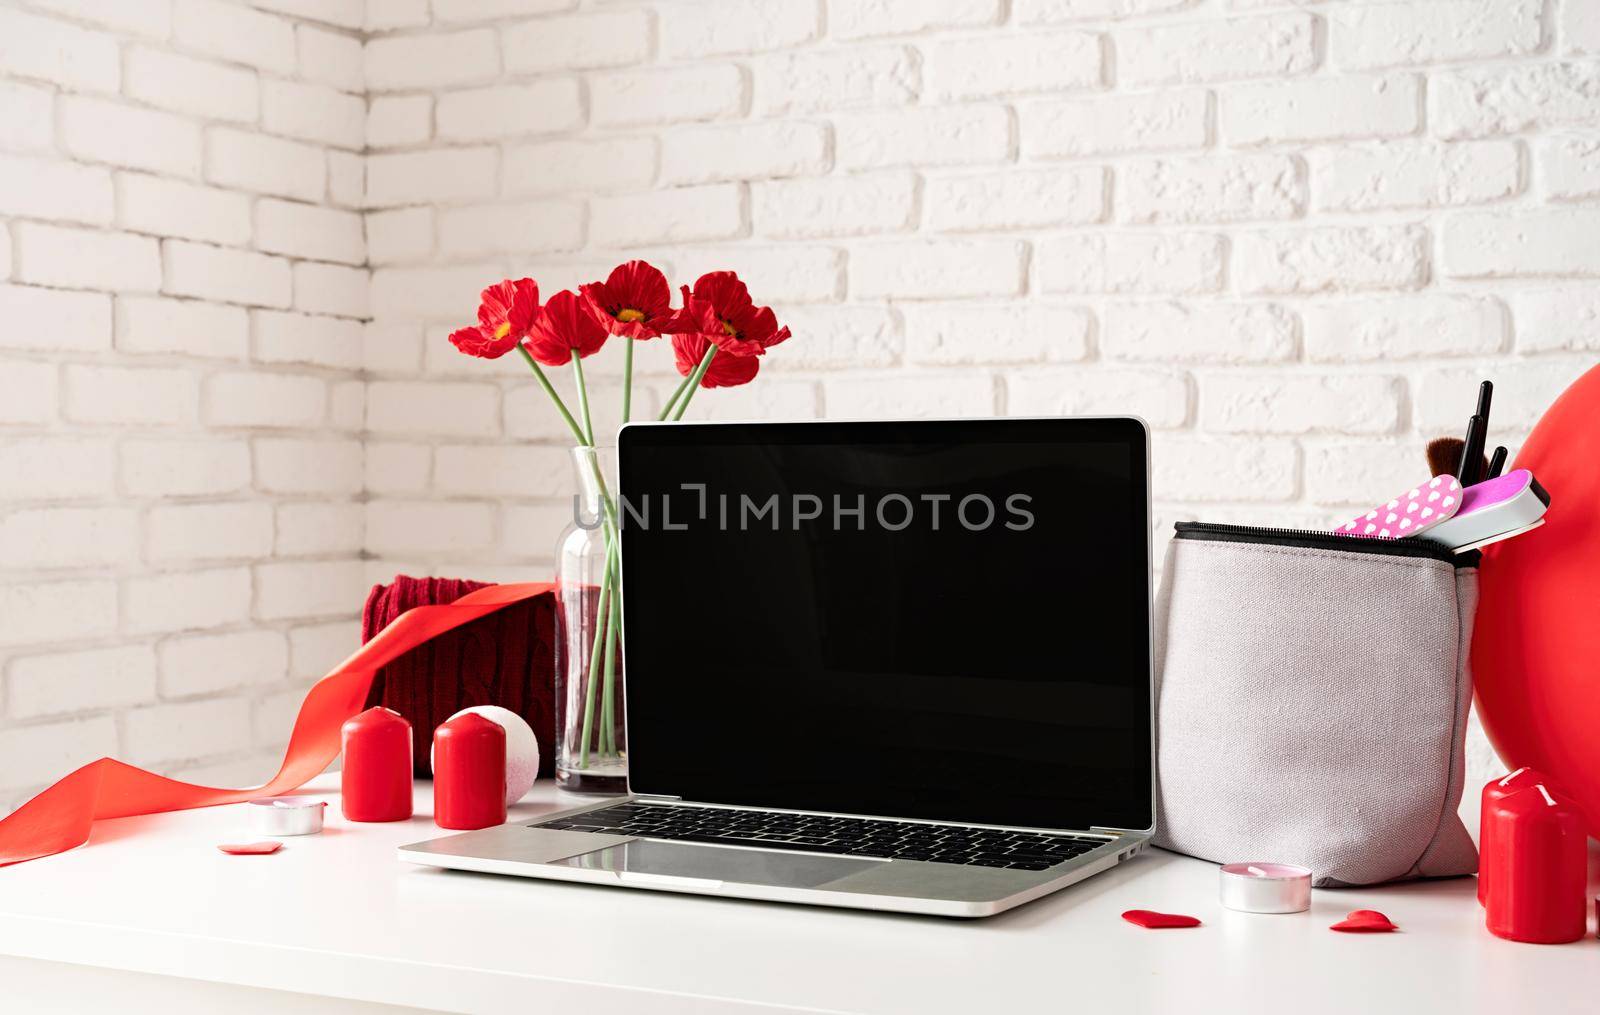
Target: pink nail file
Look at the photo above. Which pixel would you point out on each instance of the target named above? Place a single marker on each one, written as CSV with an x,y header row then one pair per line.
x,y
1502,506
1418,510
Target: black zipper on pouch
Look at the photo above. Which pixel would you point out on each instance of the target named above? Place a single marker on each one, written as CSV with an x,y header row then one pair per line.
x,y
1314,540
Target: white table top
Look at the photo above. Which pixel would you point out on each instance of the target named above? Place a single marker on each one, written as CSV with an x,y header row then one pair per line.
x,y
337,914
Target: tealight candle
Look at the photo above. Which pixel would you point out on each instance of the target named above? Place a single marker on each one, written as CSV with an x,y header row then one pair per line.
x,y
1266,887
287,815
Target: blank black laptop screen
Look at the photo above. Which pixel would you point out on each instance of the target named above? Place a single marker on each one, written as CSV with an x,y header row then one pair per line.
x,y
942,620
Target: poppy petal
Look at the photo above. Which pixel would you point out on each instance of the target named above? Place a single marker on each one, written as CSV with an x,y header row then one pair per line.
x,y
494,303
524,308
594,294
565,326
727,293
730,371
697,317
482,342
497,302
641,286
725,371
764,328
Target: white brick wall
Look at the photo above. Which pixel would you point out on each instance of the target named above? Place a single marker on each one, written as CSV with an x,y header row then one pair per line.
x,y
1283,231
165,166
234,235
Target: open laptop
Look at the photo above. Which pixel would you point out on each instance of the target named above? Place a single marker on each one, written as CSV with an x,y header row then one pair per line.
x,y
884,665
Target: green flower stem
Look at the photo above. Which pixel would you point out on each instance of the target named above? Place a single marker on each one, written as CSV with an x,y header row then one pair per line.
x,y
601,615
583,398
612,644
617,748
608,509
607,739
627,378
666,410
610,518
610,531
694,381
603,636
608,726
584,440
544,382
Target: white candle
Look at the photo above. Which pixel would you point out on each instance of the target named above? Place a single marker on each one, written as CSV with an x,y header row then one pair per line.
x,y
287,815
1266,888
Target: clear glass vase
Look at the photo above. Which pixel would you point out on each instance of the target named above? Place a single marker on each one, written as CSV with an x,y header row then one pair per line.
x,y
592,744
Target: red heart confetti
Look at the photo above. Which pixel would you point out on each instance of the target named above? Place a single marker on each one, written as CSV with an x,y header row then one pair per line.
x,y
251,848
1365,921
1151,920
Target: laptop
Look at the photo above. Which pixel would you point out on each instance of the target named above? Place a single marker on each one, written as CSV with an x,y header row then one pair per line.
x,y
897,666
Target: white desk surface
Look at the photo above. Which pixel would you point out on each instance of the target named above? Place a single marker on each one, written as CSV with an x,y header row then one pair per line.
x,y
337,914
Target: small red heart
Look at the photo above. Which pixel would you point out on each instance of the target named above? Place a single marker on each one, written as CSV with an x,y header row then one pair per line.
x,y
1365,921
252,848
1151,920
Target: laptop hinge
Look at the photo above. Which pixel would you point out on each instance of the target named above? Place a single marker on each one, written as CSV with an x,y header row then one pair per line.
x,y
655,796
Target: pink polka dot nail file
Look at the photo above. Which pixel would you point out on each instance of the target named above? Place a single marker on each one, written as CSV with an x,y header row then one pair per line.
x,y
1417,510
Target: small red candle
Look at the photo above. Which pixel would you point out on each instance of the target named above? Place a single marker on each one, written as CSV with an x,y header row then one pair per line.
x,y
1494,791
1537,868
469,773
375,784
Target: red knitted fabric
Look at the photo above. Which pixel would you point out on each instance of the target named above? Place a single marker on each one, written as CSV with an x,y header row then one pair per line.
x,y
506,658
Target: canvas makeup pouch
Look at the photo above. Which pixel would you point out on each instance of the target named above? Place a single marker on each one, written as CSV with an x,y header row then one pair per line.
x,y
1312,694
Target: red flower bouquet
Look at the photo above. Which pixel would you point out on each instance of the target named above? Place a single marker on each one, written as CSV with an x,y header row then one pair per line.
x,y
634,302
718,337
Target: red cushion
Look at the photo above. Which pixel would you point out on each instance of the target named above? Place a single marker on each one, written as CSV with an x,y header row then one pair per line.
x,y
506,658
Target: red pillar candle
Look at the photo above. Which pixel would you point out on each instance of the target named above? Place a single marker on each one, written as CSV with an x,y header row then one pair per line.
x,y
1537,869
375,784
1494,791
469,773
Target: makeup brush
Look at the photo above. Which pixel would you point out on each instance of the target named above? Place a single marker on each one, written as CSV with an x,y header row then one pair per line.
x,y
1473,466
1444,455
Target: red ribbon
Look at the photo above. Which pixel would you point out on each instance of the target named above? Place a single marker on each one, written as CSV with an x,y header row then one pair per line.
x,y
61,816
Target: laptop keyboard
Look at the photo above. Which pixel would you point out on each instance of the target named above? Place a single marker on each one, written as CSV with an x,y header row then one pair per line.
x,y
903,840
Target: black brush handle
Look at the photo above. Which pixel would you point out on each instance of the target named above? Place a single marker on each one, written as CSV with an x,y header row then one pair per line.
x,y
1473,466
1497,464
1472,454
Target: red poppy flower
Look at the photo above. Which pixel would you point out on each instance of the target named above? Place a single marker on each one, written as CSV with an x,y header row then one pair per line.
x,y
565,326
720,310
724,372
505,312
634,302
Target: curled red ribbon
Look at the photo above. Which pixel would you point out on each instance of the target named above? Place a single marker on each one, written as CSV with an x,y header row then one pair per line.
x,y
60,817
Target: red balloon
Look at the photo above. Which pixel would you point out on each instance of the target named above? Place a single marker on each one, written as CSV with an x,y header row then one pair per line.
x,y
1536,640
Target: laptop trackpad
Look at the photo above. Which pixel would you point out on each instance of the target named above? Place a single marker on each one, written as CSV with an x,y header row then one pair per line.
x,y
657,861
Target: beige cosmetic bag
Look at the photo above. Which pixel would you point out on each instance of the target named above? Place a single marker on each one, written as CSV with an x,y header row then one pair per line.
x,y
1312,695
